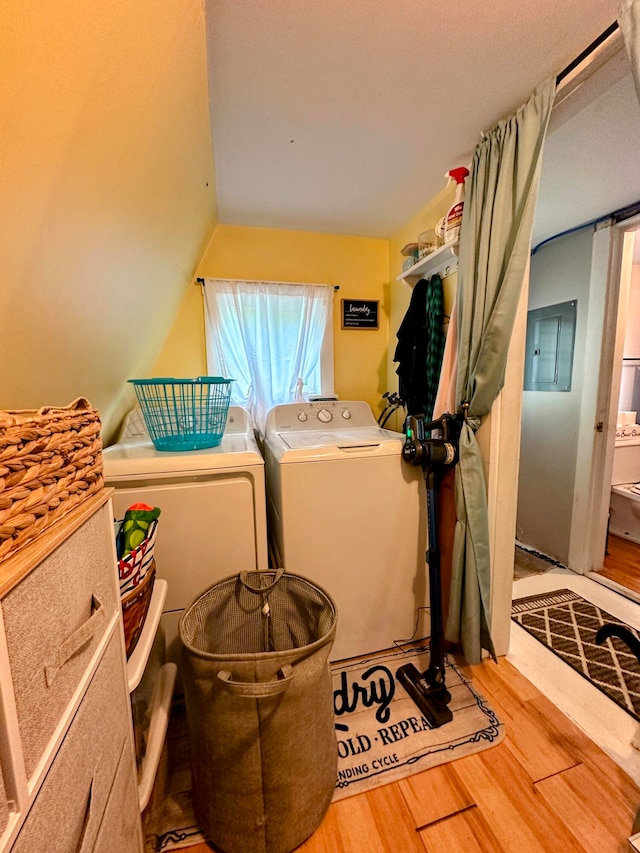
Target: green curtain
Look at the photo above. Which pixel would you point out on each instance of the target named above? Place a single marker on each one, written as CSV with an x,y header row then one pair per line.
x,y
495,242
629,20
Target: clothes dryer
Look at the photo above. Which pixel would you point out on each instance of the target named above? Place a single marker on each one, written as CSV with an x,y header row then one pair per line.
x,y
213,521
348,514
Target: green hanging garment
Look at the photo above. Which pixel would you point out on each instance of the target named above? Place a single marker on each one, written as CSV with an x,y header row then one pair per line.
x,y
420,348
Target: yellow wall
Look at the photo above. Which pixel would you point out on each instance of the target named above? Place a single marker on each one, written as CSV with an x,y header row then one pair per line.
x,y
107,191
359,265
364,268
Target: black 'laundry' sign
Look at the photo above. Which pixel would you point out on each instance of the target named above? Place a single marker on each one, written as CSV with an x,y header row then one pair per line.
x,y
359,313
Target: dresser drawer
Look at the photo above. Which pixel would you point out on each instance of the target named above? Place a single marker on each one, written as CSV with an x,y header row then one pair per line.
x,y
120,829
54,621
70,805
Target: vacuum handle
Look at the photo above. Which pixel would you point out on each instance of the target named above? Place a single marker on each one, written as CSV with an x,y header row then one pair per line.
x,y
436,669
257,690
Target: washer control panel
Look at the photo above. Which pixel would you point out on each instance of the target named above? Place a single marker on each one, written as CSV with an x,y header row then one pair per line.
x,y
324,414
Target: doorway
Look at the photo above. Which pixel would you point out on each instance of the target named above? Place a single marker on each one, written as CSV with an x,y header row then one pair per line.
x,y
621,560
570,441
580,249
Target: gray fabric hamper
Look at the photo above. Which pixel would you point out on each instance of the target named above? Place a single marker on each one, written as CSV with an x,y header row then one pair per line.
x,y
259,705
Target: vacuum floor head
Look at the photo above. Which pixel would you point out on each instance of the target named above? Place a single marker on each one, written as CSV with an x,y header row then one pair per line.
x,y
432,701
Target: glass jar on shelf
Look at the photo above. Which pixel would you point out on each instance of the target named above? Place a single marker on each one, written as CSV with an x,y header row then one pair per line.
x,y
428,242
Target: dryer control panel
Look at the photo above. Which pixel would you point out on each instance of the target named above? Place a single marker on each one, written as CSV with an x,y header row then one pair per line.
x,y
323,414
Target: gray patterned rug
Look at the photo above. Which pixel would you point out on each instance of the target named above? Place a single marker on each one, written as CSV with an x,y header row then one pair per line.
x,y
566,624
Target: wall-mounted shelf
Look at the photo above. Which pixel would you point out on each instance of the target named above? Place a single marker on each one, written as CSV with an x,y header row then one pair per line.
x,y
442,262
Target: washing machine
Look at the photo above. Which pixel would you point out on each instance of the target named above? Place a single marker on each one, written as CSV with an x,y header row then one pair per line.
x,y
213,519
346,512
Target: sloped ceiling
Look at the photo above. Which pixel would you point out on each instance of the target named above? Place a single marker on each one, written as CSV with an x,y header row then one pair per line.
x,y
108,193
344,117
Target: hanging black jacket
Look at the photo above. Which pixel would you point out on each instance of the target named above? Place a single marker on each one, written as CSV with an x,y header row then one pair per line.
x,y
420,348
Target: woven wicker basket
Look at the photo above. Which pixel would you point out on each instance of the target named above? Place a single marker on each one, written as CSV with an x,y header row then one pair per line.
x,y
135,605
50,461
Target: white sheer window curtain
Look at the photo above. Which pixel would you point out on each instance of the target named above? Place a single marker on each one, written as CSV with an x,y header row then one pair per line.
x,y
274,339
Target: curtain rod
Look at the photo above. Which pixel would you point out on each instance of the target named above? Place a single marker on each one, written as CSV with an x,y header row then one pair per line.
x,y
587,52
201,281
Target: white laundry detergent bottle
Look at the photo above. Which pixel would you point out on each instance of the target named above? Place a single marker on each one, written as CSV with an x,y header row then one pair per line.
x,y
453,218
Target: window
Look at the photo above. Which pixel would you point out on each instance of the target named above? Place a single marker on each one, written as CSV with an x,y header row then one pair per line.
x,y
275,340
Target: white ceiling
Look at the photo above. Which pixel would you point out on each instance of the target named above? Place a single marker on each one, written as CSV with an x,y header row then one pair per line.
x,y
343,117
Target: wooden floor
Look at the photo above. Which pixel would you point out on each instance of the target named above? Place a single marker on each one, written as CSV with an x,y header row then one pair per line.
x,y
546,787
622,562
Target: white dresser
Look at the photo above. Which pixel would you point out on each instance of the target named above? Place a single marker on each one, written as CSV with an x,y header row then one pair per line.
x,y
68,777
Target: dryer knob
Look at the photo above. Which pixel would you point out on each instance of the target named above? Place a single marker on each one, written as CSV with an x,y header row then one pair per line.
x,y
346,414
325,416
302,416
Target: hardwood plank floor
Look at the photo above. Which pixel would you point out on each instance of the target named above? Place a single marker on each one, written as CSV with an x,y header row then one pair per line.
x,y
622,562
546,787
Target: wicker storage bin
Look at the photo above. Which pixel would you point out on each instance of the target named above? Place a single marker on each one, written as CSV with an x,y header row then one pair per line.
x,y
50,461
135,605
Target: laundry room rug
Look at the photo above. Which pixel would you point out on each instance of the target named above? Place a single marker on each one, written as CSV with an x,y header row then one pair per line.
x,y
566,624
383,737
381,734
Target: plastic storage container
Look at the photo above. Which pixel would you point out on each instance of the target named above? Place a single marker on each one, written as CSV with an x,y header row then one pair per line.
x,y
428,242
184,414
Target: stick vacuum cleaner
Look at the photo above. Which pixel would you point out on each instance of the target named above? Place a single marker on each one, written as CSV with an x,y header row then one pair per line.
x,y
428,689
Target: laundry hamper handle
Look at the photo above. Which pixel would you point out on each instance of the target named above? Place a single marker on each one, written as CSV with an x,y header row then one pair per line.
x,y
253,690
243,579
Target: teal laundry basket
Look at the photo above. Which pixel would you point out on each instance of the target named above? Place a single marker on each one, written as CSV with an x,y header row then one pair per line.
x,y
184,414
